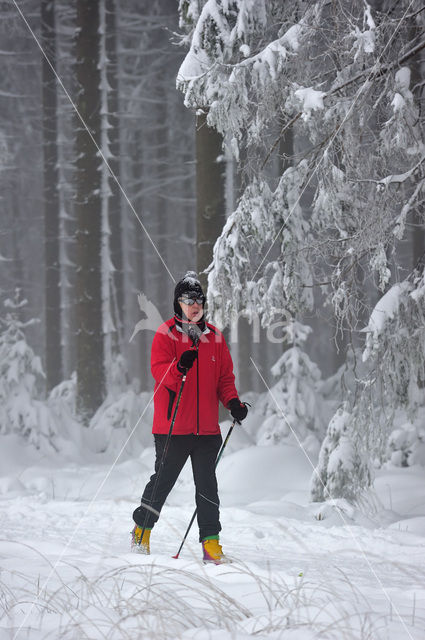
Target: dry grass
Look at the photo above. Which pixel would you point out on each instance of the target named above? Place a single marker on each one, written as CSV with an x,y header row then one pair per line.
x,y
148,600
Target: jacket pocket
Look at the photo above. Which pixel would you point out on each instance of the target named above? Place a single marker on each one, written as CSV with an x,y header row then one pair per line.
x,y
171,397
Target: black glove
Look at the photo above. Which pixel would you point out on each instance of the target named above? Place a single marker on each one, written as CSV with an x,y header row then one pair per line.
x,y
186,361
238,409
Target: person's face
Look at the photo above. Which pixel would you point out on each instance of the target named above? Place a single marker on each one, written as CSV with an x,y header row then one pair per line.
x,y
193,312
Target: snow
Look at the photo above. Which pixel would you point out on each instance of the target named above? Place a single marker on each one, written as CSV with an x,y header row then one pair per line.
x,y
384,311
368,17
311,100
291,37
365,40
398,102
402,78
245,50
191,279
193,66
300,570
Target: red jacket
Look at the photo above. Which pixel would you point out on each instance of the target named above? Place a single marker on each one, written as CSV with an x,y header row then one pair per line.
x,y
209,380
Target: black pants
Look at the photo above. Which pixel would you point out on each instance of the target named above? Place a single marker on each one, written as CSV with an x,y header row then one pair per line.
x,y
203,452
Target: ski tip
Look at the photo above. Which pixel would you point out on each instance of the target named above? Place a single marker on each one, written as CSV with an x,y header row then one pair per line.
x,y
176,557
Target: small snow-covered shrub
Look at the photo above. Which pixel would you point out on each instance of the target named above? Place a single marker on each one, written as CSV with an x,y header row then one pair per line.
x,y
63,397
123,423
406,445
20,370
118,382
70,435
48,424
294,403
342,470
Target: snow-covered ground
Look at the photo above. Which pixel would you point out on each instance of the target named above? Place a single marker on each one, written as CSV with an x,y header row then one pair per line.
x,y
300,570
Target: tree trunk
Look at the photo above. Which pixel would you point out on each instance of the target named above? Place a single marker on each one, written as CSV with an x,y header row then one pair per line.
x,y
141,267
115,211
51,200
90,351
210,193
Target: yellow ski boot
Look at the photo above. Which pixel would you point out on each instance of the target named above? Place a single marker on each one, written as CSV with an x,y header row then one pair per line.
x,y
140,545
213,551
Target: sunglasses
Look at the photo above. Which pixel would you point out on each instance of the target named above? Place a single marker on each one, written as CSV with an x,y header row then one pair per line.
x,y
191,301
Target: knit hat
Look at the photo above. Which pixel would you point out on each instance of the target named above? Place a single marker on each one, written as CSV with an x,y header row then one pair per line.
x,y
188,285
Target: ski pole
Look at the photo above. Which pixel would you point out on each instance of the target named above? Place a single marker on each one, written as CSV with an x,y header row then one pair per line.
x,y
164,454
220,453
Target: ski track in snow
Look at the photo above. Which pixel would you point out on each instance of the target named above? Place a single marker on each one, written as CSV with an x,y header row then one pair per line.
x,y
66,570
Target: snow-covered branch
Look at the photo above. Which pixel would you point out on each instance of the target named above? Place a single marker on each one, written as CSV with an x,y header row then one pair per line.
x,y
401,177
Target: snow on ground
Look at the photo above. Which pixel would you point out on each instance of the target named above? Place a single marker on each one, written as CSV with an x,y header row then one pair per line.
x,y
300,571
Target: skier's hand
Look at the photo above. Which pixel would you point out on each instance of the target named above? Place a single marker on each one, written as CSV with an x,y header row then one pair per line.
x,y
187,359
238,409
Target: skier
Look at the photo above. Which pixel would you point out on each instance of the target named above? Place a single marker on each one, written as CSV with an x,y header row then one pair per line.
x,y
187,344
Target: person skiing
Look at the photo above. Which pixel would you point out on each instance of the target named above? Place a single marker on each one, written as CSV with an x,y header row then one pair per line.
x,y
188,345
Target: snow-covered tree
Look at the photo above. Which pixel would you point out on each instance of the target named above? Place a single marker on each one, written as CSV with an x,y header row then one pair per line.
x,y
20,372
395,354
384,416
338,76
343,469
150,142
296,393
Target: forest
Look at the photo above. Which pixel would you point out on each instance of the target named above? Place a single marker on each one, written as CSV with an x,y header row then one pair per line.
x,y
287,167
275,148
